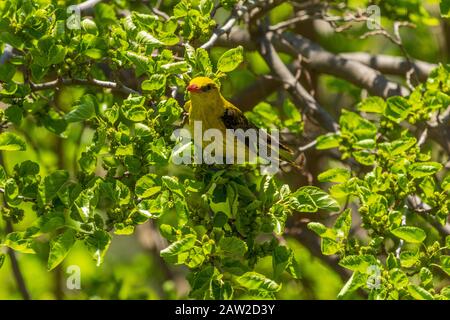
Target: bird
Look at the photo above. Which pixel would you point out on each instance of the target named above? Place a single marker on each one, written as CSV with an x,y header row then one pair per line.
x,y
208,106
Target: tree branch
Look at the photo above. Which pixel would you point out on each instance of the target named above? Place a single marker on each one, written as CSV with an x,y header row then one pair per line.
x,y
353,71
299,93
323,61
87,7
94,82
391,64
18,276
439,129
238,11
418,206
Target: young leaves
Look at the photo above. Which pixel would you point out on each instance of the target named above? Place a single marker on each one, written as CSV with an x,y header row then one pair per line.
x,y
230,60
11,142
256,281
84,109
410,234
311,199
60,247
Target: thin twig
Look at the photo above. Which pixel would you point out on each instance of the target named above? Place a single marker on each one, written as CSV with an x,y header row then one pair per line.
x,y
94,82
300,94
307,146
18,276
88,5
26,199
423,137
238,11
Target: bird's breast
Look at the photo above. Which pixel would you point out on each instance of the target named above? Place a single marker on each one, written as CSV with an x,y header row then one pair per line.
x,y
209,117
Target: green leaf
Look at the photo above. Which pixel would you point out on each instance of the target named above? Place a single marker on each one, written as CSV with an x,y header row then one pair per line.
x,y
147,186
85,203
392,262
400,146
231,59
444,5
264,115
203,62
2,259
419,293
342,225
445,263
89,26
372,104
423,169
11,142
317,227
233,246
408,259
148,39
445,185
93,53
359,263
141,62
327,141
172,184
410,234
311,199
353,124
7,72
52,183
155,82
27,168
3,176
105,13
14,114
60,247
281,258
399,278
175,67
84,109
356,281
12,192
426,276
256,281
135,113
18,242
179,246
201,282
397,109
51,221
335,175
98,243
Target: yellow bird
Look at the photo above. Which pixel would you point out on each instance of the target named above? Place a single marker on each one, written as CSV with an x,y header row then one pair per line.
x,y
208,106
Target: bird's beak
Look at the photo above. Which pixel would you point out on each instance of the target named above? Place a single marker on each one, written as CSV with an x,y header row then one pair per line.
x,y
193,88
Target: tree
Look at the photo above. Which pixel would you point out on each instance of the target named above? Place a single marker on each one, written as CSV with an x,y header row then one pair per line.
x,y
91,94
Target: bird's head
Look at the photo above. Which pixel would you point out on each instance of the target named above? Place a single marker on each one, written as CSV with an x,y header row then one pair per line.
x,y
203,87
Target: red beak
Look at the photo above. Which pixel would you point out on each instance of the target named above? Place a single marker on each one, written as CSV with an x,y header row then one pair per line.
x,y
193,88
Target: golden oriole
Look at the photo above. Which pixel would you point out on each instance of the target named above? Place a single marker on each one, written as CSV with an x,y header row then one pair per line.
x,y
208,106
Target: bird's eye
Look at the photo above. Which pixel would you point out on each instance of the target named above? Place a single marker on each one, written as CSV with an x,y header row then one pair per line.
x,y
207,88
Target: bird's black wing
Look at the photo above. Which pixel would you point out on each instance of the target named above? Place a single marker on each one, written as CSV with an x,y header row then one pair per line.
x,y
233,118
